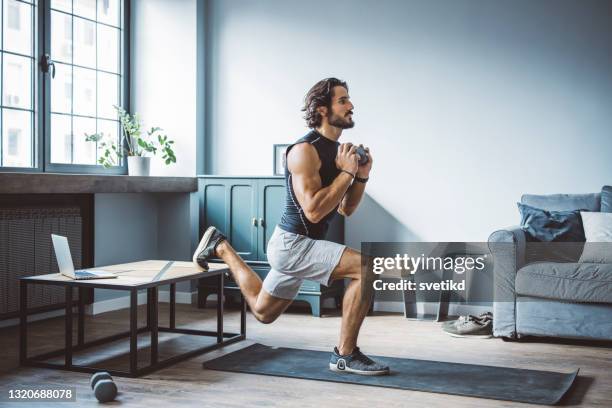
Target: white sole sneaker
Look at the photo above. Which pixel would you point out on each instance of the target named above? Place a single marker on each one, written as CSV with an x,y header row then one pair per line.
x,y
335,369
203,243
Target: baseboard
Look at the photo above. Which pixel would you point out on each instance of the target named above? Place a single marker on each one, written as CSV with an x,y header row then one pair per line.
x,y
32,318
388,306
431,308
123,302
110,305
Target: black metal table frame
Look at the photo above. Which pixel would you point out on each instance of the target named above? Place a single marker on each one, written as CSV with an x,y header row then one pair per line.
x,y
223,338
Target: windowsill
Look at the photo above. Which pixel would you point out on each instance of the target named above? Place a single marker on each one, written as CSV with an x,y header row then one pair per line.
x,y
55,183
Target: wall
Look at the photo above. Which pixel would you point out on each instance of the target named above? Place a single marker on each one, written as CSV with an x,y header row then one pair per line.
x,y
136,227
465,104
164,77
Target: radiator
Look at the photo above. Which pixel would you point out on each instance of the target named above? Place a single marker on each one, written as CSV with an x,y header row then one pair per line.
x,y
26,248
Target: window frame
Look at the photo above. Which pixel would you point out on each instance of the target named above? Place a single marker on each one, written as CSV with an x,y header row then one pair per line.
x,y
41,38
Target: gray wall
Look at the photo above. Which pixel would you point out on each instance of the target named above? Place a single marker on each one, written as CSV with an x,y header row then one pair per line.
x,y
164,72
465,104
136,227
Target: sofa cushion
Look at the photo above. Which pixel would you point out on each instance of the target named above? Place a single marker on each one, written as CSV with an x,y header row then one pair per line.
x,y
575,282
606,199
598,232
564,202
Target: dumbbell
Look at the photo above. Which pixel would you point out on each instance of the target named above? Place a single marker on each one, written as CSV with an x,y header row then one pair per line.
x,y
363,155
103,386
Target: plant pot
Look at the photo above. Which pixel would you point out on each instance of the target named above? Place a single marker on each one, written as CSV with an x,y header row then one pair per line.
x,y
138,166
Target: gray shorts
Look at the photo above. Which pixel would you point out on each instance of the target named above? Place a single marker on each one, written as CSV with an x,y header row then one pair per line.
x,y
294,258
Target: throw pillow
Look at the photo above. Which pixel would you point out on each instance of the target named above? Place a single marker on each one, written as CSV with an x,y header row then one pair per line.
x,y
598,232
551,226
555,236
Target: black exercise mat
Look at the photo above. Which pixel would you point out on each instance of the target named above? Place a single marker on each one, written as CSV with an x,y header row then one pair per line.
x,y
501,383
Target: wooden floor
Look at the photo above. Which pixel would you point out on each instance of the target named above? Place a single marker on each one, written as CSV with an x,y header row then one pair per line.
x,y
187,385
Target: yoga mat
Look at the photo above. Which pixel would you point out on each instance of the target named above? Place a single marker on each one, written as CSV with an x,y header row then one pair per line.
x,y
501,383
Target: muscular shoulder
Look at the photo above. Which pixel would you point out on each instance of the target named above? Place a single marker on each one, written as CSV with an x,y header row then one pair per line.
x,y
303,158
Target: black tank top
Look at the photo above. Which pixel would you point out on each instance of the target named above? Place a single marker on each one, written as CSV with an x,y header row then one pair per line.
x,y
293,218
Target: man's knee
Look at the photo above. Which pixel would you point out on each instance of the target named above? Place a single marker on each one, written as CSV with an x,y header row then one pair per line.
x,y
265,316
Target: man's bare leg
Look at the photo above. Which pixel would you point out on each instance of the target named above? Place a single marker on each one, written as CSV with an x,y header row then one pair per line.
x,y
354,306
265,307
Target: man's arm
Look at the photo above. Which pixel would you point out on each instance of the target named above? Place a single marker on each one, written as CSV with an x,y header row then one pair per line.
x,y
353,196
303,163
351,200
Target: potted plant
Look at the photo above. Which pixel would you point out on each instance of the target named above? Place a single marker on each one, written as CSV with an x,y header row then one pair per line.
x,y
135,145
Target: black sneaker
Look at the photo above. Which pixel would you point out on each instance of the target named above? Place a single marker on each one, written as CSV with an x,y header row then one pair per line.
x,y
356,363
206,249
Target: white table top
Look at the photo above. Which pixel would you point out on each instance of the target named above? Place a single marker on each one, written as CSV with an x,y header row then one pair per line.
x,y
134,273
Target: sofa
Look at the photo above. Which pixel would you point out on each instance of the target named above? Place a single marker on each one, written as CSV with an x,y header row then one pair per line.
x,y
534,297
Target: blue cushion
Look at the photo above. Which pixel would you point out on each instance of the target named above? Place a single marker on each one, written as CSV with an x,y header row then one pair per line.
x,y
564,202
551,226
606,199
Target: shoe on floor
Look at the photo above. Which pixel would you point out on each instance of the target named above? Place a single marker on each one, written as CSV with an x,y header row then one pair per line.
x,y
356,363
483,317
206,248
470,327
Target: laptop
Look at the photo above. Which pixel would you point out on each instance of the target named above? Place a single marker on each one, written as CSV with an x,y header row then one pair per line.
x,y
66,267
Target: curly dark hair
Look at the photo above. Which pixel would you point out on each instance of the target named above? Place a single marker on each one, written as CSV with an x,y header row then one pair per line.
x,y
319,95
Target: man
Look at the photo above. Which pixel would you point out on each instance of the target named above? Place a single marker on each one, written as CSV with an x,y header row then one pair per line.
x,y
323,177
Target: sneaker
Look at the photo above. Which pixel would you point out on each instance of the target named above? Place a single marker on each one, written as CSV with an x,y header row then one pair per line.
x,y
206,249
471,327
483,317
356,363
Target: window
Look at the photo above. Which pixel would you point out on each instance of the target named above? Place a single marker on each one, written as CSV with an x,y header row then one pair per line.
x,y
13,19
85,41
18,104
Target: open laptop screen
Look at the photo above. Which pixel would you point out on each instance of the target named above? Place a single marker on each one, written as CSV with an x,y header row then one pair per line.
x,y
62,254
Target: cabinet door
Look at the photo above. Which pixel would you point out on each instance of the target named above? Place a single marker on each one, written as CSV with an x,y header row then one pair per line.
x,y
213,204
243,220
271,206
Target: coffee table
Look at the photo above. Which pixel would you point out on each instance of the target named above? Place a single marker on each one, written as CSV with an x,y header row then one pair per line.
x,y
131,277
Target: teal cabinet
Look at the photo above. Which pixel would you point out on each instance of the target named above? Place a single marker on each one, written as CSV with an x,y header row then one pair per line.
x,y
247,210
271,206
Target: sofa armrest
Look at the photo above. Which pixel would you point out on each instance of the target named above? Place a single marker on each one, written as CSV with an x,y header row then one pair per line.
x,y
507,236
508,249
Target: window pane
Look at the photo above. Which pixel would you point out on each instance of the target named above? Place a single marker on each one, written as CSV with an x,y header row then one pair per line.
x,y
108,12
84,92
84,43
85,8
17,27
108,48
17,77
16,138
65,5
61,37
108,95
61,89
83,152
110,132
61,139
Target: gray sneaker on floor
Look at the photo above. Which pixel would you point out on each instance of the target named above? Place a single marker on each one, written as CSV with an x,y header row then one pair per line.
x,y
470,327
483,317
206,249
356,363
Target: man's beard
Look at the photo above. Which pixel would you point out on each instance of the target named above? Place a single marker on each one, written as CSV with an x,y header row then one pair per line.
x,y
339,122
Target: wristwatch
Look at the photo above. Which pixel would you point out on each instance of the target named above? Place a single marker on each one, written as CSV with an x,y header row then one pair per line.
x,y
361,180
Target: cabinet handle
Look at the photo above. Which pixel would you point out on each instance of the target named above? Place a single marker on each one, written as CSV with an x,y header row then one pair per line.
x,y
254,221
261,222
